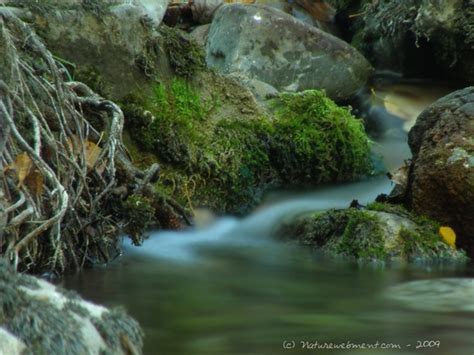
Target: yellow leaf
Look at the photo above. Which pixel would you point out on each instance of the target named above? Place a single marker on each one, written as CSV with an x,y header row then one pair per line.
x,y
22,166
448,235
92,150
35,182
92,154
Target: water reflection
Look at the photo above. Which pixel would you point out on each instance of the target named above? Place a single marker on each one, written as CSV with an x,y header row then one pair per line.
x,y
249,299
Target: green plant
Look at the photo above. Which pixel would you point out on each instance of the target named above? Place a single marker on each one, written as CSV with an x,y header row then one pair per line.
x,y
227,163
313,133
184,54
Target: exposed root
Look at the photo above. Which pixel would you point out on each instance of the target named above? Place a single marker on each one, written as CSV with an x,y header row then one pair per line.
x,y
60,195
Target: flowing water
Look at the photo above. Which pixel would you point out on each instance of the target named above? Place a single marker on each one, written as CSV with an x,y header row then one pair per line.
x,y
228,288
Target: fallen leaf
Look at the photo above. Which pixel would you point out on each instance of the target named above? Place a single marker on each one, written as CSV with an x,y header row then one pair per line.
x,y
22,166
92,154
35,182
448,235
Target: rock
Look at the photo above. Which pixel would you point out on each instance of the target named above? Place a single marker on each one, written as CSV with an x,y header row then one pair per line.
x,y
441,181
220,151
436,295
38,318
110,61
262,91
318,13
152,9
382,232
430,38
273,47
203,10
200,34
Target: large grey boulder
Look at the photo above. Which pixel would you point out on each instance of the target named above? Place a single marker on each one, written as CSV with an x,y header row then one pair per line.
x,y
38,318
274,47
115,52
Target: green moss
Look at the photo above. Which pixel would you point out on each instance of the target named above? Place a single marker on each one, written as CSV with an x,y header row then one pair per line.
x,y
185,55
119,331
314,134
227,163
362,237
139,213
367,235
140,158
422,242
91,77
400,210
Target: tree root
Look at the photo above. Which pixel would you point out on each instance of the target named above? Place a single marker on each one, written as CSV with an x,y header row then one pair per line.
x,y
61,199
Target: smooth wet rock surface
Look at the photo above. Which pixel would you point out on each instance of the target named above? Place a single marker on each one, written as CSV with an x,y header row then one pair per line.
x,y
273,47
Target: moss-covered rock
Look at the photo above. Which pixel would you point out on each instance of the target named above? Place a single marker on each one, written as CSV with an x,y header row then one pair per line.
x,y
214,156
39,318
381,232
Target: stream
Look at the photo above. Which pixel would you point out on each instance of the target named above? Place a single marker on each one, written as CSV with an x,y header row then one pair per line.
x,y
228,288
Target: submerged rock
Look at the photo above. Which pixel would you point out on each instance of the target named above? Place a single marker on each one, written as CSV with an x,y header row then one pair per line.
x,y
39,318
383,233
441,181
437,295
273,47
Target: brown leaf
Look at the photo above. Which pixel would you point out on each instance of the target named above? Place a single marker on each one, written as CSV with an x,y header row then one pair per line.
x,y
35,182
92,153
22,166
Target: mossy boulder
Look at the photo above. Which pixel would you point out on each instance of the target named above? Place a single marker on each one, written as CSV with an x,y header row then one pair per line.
x,y
381,233
216,156
39,318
